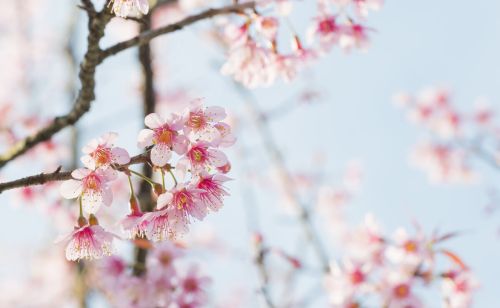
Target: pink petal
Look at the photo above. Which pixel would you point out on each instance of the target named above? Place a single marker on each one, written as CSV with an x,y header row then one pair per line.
x,y
215,113
145,138
120,155
218,158
163,200
80,173
107,196
88,161
153,121
160,155
180,145
109,138
91,201
71,189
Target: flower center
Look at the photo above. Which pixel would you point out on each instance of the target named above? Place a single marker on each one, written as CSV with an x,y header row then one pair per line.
x,y
401,291
197,155
327,26
410,246
190,285
182,200
196,120
102,156
92,182
357,277
164,136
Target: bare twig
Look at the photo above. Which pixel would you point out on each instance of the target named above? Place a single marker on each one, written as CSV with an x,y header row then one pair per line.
x,y
277,158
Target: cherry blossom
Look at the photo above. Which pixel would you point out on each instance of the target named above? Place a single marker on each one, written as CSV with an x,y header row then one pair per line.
x,y
201,157
212,190
100,152
201,122
92,186
164,136
88,241
123,8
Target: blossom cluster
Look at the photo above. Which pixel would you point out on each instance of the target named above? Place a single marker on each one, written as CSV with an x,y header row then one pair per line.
x,y
454,136
168,282
257,56
194,137
390,270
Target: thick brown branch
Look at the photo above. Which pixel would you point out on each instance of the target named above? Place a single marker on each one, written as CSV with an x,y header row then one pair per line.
x,y
58,175
147,36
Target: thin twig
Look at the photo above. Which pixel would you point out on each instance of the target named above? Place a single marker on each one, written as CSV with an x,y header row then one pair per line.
x,y
277,158
147,36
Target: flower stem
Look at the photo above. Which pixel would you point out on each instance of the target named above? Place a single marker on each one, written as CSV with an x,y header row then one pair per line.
x,y
162,178
131,186
173,177
145,178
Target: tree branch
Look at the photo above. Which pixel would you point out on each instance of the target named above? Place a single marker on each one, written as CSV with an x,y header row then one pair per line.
x,y
276,157
85,96
148,102
147,36
93,57
57,175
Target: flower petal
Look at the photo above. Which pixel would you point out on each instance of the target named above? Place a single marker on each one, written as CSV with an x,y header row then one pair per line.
x,y
145,138
153,121
160,155
71,189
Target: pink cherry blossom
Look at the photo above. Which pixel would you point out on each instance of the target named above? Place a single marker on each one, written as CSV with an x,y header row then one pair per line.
x,y
101,152
200,122
326,29
458,288
164,136
134,224
443,164
346,282
398,291
200,156
163,257
123,8
212,191
183,201
89,242
160,225
354,36
226,138
92,186
250,64
409,252
192,286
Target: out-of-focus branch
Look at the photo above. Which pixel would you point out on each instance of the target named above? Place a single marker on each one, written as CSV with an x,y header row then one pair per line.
x,y
59,175
276,157
148,102
93,57
147,36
